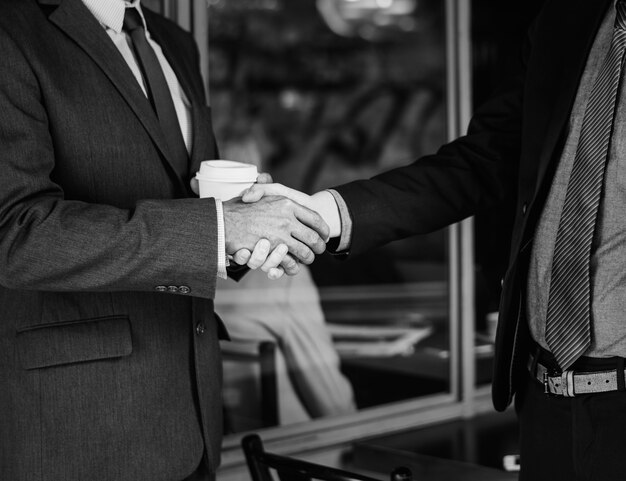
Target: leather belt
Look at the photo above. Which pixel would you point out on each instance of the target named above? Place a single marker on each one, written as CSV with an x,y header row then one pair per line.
x,y
570,383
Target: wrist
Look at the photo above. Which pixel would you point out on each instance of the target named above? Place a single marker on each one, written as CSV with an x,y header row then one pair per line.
x,y
325,205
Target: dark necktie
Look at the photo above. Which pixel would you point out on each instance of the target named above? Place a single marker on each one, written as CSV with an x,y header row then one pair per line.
x,y
158,91
568,323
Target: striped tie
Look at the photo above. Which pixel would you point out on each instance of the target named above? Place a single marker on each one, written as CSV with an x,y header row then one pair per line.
x,y
568,323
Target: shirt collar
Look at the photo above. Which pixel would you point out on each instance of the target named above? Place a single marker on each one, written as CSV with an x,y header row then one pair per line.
x,y
110,13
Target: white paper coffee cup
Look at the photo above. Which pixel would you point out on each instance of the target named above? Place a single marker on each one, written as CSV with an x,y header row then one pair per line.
x,y
225,179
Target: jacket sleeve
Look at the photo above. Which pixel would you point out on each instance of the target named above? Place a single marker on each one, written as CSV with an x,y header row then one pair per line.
x,y
462,178
48,242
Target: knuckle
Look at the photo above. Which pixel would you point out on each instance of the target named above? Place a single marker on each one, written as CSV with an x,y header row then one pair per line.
x,y
292,268
253,264
307,256
319,247
287,205
289,262
242,257
315,242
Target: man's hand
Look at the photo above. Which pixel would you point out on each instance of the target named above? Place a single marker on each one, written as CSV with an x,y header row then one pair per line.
x,y
280,221
278,264
275,263
322,202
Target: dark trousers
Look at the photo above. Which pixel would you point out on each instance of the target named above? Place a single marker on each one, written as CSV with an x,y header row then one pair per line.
x,y
572,439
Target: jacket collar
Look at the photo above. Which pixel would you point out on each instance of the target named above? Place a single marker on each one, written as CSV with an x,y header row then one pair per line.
x,y
76,21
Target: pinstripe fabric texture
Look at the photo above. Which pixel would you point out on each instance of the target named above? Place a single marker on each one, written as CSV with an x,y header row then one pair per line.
x,y
568,323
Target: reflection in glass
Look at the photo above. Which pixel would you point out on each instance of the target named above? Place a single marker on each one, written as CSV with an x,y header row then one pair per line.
x,y
318,94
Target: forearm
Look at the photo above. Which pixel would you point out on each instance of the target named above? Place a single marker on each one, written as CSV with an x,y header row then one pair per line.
x,y
52,244
70,214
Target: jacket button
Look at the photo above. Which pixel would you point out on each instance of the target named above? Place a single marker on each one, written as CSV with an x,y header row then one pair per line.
x,y
172,289
524,208
184,290
160,288
200,328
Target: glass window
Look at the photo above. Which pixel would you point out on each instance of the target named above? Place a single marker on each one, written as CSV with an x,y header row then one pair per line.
x,y
319,93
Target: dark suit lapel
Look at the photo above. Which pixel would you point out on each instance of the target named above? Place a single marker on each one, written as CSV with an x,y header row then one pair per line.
x,y
191,82
579,21
76,21
203,146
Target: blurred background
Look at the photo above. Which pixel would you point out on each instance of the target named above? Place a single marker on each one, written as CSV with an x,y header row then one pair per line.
x,y
393,347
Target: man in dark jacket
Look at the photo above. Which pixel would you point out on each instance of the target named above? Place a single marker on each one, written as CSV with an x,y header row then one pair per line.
x,y
555,138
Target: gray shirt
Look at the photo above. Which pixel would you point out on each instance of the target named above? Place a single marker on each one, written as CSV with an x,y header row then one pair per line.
x,y
608,262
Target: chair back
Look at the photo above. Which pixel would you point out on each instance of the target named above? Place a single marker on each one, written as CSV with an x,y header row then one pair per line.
x,y
260,464
249,373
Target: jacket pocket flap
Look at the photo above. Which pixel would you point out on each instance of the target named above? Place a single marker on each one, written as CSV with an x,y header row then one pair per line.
x,y
78,341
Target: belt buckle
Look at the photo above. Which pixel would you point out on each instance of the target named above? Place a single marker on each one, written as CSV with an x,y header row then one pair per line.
x,y
550,373
566,382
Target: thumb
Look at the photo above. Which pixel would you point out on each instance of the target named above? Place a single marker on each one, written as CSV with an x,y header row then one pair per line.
x,y
254,193
195,186
264,178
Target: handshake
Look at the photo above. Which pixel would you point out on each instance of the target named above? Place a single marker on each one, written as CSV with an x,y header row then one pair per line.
x,y
275,228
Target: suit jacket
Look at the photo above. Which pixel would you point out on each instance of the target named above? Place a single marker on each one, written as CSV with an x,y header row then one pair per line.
x,y
109,359
511,148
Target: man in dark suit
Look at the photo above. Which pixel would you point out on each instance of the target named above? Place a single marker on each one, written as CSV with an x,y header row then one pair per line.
x,y
554,138
109,359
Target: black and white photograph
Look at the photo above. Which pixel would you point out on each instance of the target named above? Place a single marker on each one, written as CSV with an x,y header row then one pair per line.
x,y
299,240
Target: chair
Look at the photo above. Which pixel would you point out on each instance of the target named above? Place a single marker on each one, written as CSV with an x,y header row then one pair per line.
x,y
255,364
260,462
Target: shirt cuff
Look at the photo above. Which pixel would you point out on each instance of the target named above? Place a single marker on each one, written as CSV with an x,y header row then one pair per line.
x,y
222,259
346,222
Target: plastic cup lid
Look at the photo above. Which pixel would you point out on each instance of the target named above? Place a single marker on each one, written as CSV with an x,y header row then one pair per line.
x,y
227,171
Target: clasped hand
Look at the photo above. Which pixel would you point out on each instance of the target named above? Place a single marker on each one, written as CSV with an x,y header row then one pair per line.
x,y
273,227
296,232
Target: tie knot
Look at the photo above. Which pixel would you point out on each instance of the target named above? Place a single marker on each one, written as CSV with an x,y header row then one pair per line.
x,y
132,19
620,17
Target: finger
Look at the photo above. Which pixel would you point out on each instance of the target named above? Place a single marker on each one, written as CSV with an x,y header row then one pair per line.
x,y
264,178
275,258
254,193
290,266
259,254
242,256
275,273
195,186
312,231
300,250
313,220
